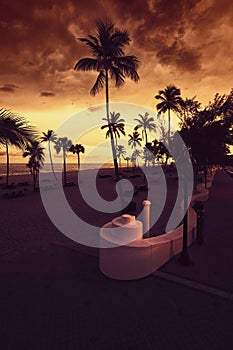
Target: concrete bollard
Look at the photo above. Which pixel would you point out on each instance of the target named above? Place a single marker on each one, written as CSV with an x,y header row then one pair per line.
x,y
146,218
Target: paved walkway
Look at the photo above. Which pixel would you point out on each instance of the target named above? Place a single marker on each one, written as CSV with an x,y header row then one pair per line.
x,y
213,261
56,298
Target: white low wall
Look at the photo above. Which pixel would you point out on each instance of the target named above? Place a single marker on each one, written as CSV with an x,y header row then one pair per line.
x,y
142,257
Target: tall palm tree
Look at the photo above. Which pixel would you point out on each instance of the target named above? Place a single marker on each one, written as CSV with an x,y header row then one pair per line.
x,y
170,101
116,125
14,131
50,136
146,123
147,155
121,151
63,144
36,154
136,154
77,149
134,139
110,61
127,162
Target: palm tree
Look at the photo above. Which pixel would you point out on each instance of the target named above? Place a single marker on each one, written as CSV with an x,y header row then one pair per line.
x,y
77,149
170,101
110,61
145,123
134,139
63,144
14,131
127,162
36,154
121,151
147,155
190,108
116,125
49,137
136,154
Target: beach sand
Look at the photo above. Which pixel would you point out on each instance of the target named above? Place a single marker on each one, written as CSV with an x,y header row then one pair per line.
x,y
25,223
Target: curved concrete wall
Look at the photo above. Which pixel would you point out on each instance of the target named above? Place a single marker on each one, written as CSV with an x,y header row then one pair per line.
x,y
142,257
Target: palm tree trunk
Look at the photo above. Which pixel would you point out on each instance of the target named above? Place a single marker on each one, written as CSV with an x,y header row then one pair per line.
x,y
116,141
78,160
64,167
51,161
146,136
110,129
7,164
169,125
34,179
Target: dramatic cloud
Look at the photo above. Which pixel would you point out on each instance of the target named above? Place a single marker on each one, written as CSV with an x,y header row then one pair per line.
x,y
185,42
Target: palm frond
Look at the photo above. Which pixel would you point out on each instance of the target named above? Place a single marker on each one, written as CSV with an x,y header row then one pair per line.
x,y
99,84
87,64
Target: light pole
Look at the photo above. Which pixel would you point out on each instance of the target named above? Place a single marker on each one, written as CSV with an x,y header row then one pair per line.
x,y
184,258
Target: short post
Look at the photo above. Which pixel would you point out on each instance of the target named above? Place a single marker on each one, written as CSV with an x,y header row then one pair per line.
x,y
199,208
146,218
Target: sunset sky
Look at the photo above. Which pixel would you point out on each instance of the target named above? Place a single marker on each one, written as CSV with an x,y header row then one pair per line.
x,y
184,42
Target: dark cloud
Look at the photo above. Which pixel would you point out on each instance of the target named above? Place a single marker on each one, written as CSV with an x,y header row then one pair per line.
x,y
181,56
9,88
41,46
45,32
47,94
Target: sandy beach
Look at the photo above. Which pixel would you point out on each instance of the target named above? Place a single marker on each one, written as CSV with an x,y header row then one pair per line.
x,y
25,223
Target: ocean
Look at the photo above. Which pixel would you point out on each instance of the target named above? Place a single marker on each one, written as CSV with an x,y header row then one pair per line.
x,y
21,168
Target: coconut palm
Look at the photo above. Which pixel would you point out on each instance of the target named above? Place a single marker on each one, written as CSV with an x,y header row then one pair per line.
x,y
133,160
136,154
134,139
121,151
77,149
147,155
146,123
127,162
36,154
14,131
170,101
63,144
110,61
116,125
49,137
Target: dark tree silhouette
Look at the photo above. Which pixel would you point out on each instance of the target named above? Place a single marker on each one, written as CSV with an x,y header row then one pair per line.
x,y
170,101
121,151
36,154
49,137
63,144
116,125
208,133
14,131
146,123
109,60
77,149
134,139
